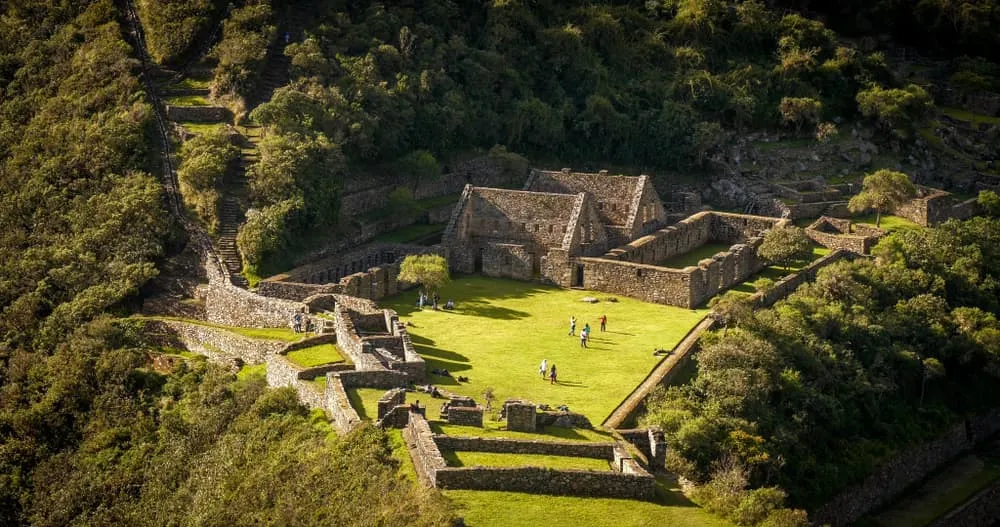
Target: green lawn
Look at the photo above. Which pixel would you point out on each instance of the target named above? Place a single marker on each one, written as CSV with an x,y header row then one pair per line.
x,y
410,233
187,100
283,334
316,356
320,382
887,223
943,492
692,258
201,128
492,429
502,329
365,402
490,459
514,509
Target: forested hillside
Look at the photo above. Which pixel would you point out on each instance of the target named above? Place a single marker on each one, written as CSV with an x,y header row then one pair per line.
x,y
89,434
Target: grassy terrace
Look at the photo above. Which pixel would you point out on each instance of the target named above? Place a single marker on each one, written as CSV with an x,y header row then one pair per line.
x,y
201,128
316,356
888,222
187,100
693,257
502,329
489,508
969,117
944,491
365,401
777,272
493,429
489,459
283,334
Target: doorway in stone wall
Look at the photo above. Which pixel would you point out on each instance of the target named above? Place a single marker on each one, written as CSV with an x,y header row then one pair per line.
x,y
536,265
479,260
578,276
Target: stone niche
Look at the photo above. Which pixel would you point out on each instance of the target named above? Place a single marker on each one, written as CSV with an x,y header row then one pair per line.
x,y
520,415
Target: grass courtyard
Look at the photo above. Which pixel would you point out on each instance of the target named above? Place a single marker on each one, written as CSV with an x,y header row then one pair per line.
x,y
502,329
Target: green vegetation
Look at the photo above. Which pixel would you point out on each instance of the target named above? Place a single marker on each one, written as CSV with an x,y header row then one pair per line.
x,y
191,82
241,53
502,329
428,270
203,128
488,459
698,254
942,492
873,356
187,100
899,111
496,509
786,245
171,27
497,429
204,161
410,234
886,223
365,401
969,117
882,190
316,356
252,371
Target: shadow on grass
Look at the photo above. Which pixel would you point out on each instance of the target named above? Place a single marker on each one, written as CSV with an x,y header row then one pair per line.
x,y
359,406
668,493
438,354
571,384
473,295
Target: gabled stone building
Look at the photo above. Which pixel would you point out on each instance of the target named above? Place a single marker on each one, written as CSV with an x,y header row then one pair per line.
x,y
522,234
628,206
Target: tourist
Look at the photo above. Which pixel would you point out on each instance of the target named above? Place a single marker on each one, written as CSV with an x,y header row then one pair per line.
x,y
297,322
543,367
586,328
552,374
436,298
604,323
450,304
583,339
572,325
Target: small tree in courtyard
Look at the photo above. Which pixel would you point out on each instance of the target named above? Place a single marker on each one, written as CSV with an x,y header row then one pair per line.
x,y
782,245
732,309
883,191
428,270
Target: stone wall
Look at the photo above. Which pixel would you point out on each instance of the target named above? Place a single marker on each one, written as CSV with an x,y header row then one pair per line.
x,y
458,415
585,449
199,114
649,441
790,283
562,419
390,400
795,211
538,480
426,456
384,379
895,475
398,417
834,233
521,415
338,407
231,306
295,291
219,345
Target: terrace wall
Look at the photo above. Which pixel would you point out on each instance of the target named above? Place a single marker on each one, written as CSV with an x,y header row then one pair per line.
x,y
219,345
855,238
231,306
199,114
281,372
338,407
539,480
591,450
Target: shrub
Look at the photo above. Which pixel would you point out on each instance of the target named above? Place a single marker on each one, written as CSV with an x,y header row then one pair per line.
x,y
242,51
171,26
204,160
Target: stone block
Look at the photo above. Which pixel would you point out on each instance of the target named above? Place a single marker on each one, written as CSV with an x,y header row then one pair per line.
x,y
520,415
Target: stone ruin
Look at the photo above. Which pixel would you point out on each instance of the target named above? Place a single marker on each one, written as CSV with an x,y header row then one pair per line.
x,y
933,207
524,416
811,198
460,410
598,232
836,233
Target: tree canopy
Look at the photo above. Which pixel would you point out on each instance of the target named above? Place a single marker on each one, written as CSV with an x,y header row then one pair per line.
x,y
882,190
428,270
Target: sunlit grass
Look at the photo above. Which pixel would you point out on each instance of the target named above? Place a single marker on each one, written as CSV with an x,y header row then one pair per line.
x,y
494,429
317,355
502,329
490,459
283,334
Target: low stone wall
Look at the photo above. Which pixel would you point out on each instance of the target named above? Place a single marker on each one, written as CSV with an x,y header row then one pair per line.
x,y
981,510
282,372
427,459
650,441
398,417
895,475
338,407
465,416
384,379
538,480
294,290
218,345
591,450
231,306
836,209
855,238
390,400
562,419
199,114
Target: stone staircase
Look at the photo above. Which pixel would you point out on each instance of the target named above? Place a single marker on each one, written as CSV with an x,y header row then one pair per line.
x,y
236,201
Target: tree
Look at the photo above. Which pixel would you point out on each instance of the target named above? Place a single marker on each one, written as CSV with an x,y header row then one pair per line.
x,y
883,191
932,370
900,111
989,201
732,308
429,270
785,244
420,166
799,111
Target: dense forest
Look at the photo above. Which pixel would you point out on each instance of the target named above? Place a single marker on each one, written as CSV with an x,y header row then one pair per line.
x,y
89,434
873,356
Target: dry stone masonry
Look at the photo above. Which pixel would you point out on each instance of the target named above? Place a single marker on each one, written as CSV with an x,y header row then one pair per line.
x,y
835,233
